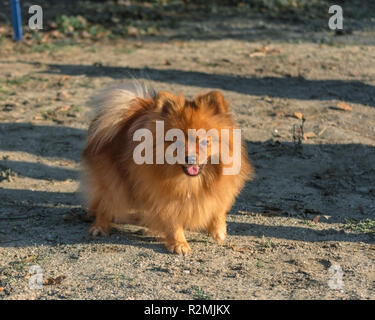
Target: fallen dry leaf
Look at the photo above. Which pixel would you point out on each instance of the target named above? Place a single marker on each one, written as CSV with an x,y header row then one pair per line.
x,y
344,106
240,249
316,219
265,50
53,281
298,115
62,108
46,37
28,259
257,54
1,289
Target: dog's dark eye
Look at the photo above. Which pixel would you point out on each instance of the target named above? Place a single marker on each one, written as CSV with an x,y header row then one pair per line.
x,y
204,142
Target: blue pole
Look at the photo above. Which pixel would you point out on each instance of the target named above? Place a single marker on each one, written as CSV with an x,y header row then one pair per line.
x,y
16,19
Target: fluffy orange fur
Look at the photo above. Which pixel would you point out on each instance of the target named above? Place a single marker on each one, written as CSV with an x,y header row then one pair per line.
x,y
161,197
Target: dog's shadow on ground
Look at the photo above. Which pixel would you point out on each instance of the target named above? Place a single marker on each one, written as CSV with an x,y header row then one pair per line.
x,y
317,179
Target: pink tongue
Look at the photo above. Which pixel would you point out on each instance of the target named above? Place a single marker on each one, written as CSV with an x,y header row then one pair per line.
x,y
193,170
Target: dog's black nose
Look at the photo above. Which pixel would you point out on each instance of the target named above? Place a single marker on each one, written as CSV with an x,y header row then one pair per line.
x,y
190,159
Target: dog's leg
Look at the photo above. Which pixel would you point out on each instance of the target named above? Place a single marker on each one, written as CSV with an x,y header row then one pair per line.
x,y
102,223
93,206
175,241
218,228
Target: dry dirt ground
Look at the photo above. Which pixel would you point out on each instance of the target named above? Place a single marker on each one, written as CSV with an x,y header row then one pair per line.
x,y
308,212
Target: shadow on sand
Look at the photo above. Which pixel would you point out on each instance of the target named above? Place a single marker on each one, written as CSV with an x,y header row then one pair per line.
x,y
35,217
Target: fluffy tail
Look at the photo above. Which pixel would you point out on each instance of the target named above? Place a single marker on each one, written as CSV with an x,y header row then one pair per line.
x,y
112,108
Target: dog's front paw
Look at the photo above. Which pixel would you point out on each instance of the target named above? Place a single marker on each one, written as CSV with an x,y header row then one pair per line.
x,y
98,231
219,235
178,247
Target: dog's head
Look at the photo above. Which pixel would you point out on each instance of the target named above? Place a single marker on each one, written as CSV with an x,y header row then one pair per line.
x,y
192,131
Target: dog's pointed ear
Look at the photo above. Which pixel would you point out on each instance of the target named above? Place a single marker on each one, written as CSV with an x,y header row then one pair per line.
x,y
168,103
213,100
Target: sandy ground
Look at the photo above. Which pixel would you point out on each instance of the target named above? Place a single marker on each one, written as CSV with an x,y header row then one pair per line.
x,y
308,212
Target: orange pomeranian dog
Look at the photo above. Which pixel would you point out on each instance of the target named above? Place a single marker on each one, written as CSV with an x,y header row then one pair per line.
x,y
163,162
